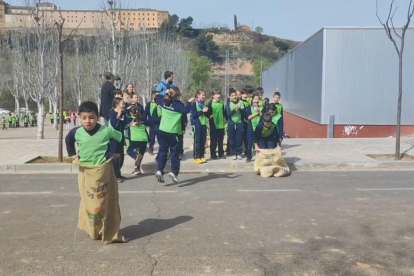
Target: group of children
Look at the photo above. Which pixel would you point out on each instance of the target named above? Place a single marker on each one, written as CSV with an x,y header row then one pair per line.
x,y
68,117
14,121
248,119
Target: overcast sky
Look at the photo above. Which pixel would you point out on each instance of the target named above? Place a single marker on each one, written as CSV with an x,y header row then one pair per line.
x,y
290,19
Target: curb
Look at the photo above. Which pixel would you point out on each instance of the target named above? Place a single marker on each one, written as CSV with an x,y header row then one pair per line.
x,y
231,167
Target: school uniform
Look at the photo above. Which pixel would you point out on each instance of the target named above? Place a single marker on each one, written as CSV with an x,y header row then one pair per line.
x,y
118,147
10,119
279,108
266,138
153,113
217,122
235,127
277,120
141,111
200,129
252,125
138,140
3,121
245,126
184,122
169,130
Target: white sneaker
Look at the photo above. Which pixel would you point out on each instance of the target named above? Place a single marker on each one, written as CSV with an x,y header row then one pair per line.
x,y
159,177
234,157
239,157
173,177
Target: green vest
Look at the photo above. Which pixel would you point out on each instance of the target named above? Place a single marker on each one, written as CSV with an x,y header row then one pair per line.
x,y
26,119
261,103
14,120
170,121
3,121
236,117
10,119
275,120
139,133
218,116
256,120
279,108
266,132
51,116
154,106
202,118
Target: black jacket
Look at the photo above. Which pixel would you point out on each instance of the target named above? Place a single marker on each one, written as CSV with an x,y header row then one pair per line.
x,y
107,96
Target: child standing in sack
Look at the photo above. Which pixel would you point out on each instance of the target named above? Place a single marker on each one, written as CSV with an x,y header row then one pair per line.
x,y
198,116
216,115
266,134
170,127
235,112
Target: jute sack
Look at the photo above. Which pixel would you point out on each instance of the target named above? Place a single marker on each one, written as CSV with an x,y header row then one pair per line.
x,y
99,213
269,162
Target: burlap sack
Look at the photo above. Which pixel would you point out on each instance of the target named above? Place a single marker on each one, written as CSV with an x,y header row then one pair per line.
x,y
99,213
269,162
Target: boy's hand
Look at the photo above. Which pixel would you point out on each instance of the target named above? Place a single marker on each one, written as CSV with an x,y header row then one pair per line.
x,y
205,109
191,100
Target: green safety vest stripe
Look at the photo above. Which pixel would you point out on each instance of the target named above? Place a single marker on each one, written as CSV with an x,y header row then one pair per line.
x,y
256,120
202,118
218,116
236,117
170,121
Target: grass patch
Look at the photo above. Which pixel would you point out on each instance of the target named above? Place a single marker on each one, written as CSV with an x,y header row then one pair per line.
x,y
49,159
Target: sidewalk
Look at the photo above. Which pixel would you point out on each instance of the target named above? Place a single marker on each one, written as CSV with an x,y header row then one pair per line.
x,y
301,154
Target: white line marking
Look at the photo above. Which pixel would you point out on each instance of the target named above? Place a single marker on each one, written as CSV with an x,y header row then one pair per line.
x,y
25,193
258,191
386,189
147,192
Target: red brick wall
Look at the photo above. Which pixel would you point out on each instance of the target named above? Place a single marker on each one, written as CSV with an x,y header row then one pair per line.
x,y
298,127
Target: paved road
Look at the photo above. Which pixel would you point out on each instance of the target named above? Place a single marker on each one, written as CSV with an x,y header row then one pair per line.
x,y
345,223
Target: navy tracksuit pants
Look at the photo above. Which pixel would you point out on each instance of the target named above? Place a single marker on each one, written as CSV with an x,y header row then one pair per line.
x,y
200,136
115,147
245,139
250,141
267,143
153,132
216,140
136,148
235,138
181,144
168,141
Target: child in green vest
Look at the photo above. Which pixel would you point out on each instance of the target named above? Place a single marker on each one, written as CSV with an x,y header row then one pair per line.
x,y
153,113
170,127
266,134
244,97
236,114
26,121
17,120
217,116
10,119
276,100
253,114
199,119
4,121
138,138
51,117
276,120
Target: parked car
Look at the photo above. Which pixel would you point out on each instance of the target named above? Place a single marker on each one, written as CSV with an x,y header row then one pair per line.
x,y
4,111
23,110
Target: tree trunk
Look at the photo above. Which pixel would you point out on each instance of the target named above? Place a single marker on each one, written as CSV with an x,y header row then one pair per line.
x,y
17,105
27,106
400,91
55,121
50,106
40,120
60,150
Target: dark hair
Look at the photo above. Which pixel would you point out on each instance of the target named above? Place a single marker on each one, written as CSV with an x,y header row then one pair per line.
x,y
126,88
118,92
199,91
88,107
109,76
232,91
277,94
135,112
215,92
259,90
168,74
255,95
267,118
244,91
272,107
153,93
115,102
174,95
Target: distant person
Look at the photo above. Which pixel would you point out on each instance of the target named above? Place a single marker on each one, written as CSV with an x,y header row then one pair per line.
x,y
253,115
236,115
51,117
107,96
74,117
198,115
10,119
4,121
153,112
129,92
166,83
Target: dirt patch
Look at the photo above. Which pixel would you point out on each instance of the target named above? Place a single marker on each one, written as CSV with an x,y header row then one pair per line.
x,y
391,157
49,159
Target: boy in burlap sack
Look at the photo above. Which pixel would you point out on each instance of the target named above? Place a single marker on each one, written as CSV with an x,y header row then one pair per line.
x,y
99,213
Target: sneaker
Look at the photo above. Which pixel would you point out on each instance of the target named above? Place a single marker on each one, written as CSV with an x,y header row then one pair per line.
x,y
198,161
173,178
222,157
248,160
136,172
214,158
119,180
122,177
159,177
234,157
151,153
203,160
239,157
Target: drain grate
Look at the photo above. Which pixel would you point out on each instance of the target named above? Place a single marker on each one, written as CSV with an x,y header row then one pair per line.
x,y
190,172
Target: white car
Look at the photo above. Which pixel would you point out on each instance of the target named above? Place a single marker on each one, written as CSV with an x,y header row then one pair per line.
x,y
4,111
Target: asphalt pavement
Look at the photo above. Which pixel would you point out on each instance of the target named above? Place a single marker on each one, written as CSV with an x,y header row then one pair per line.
x,y
311,223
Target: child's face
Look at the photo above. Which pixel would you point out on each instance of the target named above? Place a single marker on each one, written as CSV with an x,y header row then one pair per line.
x,y
256,100
88,120
130,88
267,125
234,97
216,97
276,99
244,97
119,96
273,113
121,105
201,96
239,95
135,98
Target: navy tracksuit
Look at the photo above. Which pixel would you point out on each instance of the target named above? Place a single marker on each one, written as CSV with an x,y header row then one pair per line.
x,y
170,141
235,132
200,132
184,122
155,124
250,132
114,146
270,142
216,135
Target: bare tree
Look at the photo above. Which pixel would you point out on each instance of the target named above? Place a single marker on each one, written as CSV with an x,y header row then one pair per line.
x,y
259,30
392,34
